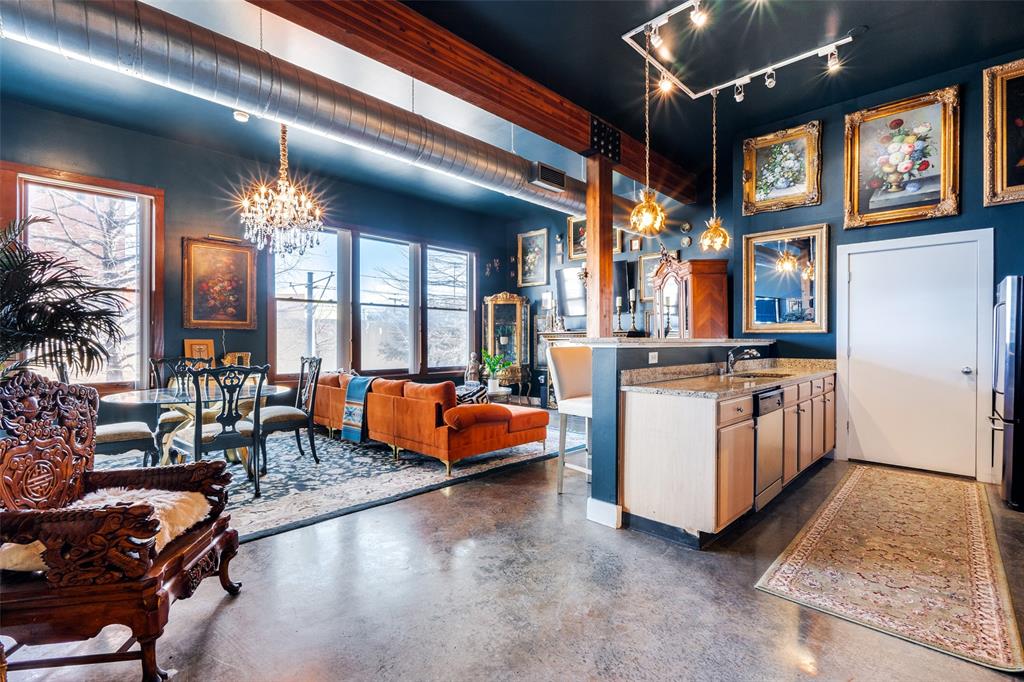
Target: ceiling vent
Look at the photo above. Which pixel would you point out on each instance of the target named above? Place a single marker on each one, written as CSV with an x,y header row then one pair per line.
x,y
547,177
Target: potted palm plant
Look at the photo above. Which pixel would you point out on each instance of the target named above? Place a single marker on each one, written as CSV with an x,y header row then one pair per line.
x,y
50,314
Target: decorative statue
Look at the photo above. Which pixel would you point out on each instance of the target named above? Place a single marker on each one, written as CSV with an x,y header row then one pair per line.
x,y
472,370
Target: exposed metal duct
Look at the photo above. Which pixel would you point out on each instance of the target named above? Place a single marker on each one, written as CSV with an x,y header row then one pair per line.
x,y
142,41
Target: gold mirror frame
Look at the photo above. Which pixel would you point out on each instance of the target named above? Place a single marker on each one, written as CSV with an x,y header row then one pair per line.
x,y
949,145
996,190
821,275
522,341
811,133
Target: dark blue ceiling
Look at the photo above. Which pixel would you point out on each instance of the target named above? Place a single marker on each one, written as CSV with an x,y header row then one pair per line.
x,y
575,48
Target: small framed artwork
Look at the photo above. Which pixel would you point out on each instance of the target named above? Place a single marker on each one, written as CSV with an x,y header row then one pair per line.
x,y
902,160
636,243
577,238
782,170
200,348
1004,133
533,258
648,264
219,284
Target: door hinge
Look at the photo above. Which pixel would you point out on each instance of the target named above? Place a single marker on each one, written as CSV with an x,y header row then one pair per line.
x,y
847,426
849,276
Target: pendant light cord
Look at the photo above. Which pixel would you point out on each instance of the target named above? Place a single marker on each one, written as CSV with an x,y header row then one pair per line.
x,y
647,110
714,153
282,172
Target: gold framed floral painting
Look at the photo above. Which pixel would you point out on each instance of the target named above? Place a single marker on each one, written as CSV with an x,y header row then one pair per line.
x,y
533,258
1004,133
902,160
577,233
782,170
218,284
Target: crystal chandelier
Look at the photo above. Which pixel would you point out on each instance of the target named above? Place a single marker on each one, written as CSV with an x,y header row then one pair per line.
x,y
648,217
715,237
285,217
787,262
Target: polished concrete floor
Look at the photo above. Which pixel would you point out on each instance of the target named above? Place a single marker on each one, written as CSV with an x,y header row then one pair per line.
x,y
501,579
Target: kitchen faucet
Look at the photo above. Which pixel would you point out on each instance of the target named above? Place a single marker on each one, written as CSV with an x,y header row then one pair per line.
x,y
747,354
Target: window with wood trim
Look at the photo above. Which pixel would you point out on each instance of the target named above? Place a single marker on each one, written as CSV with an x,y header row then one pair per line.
x,y
306,305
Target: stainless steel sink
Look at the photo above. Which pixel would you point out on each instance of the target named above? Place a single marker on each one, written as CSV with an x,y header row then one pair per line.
x,y
759,375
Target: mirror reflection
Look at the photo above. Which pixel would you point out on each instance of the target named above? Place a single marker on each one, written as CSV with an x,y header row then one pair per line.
x,y
505,331
785,281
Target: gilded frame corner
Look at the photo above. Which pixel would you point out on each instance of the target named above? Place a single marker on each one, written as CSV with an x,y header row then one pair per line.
x,y
811,132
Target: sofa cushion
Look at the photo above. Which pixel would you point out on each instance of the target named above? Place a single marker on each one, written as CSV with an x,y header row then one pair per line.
x,y
329,379
462,417
176,510
443,393
391,387
471,394
526,418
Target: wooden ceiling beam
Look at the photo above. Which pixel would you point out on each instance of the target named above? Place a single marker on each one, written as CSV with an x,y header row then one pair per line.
x,y
393,34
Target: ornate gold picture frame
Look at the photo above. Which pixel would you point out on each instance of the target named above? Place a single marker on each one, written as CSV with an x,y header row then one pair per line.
x,y
218,284
782,170
903,160
785,280
1004,138
533,258
576,232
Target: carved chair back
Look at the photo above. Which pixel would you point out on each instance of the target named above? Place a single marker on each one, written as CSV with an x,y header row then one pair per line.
x,y
47,442
229,382
309,375
170,372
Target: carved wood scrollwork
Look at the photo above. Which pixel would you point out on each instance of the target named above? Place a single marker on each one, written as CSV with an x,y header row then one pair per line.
x,y
197,572
49,444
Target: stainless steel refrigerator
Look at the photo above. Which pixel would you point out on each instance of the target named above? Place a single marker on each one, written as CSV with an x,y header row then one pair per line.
x,y
1008,387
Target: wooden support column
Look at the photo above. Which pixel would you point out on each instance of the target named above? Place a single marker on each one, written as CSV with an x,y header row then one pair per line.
x,y
600,283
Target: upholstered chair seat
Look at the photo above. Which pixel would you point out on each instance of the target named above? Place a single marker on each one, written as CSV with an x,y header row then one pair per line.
x,y
280,414
211,431
122,431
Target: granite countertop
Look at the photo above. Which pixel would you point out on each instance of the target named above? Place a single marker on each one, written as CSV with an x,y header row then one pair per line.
x,y
749,377
644,341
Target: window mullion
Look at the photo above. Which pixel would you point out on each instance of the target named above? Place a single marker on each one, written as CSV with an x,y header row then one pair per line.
x,y
416,326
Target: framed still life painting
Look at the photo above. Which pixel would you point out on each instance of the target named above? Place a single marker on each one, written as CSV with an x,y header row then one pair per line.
x,y
533,258
782,170
902,160
219,284
577,233
1004,133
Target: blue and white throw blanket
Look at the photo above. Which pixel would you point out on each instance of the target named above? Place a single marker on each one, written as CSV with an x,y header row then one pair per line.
x,y
353,421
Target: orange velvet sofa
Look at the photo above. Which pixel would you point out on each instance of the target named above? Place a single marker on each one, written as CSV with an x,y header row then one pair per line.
x,y
330,400
425,418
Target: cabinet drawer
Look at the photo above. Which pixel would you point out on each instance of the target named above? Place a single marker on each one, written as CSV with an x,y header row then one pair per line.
x,y
790,395
817,387
804,390
830,383
733,410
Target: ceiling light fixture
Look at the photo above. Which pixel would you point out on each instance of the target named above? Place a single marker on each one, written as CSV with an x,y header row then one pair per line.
x,y
656,39
833,60
787,262
240,116
286,217
715,237
647,217
738,94
698,16
808,272
665,85
769,79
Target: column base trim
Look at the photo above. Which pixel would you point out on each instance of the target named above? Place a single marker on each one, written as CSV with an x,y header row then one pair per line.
x,y
605,513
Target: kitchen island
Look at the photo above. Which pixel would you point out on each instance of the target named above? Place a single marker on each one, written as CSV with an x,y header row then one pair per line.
x,y
695,459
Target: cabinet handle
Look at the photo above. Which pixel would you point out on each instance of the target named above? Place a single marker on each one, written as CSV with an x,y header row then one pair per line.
x,y
739,408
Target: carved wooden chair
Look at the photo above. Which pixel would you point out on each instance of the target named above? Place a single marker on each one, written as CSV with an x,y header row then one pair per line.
x,y
285,418
98,565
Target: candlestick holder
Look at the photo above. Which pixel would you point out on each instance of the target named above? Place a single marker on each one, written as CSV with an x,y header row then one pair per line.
x,y
632,318
618,317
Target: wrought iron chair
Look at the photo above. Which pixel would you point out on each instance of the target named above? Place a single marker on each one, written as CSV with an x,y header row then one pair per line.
x,y
284,418
97,565
228,430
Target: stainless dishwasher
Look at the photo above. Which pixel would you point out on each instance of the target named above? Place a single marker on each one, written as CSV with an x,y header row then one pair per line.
x,y
768,446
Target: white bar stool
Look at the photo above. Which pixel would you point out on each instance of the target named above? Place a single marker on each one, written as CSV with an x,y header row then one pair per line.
x,y
570,374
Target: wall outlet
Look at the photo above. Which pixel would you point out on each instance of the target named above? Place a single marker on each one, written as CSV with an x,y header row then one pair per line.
x,y
652,358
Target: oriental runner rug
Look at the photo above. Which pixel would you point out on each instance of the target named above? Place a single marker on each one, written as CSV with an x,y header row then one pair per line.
x,y
909,554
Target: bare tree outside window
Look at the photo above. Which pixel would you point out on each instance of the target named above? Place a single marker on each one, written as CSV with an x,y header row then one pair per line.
x,y
306,293
101,233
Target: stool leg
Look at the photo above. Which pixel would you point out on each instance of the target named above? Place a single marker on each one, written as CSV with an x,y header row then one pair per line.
x,y
563,422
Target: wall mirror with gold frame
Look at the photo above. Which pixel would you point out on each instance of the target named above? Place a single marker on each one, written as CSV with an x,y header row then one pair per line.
x,y
785,280
506,326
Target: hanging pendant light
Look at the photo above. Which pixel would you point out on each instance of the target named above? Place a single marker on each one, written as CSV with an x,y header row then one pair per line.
x,y
787,262
808,272
715,237
285,217
648,217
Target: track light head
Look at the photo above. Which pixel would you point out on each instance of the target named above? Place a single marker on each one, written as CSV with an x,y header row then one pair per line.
x,y
698,16
665,85
656,39
833,60
738,94
769,79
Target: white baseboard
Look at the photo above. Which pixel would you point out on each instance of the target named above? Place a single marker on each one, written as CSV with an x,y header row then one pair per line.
x,y
605,513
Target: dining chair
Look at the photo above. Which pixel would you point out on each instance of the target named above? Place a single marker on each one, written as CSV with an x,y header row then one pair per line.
x,y
228,430
170,373
570,368
285,418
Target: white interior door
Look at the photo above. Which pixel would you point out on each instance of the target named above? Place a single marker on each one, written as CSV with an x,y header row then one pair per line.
x,y
912,322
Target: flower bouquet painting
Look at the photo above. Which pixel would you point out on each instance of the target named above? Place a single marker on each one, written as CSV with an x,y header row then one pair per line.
x,y
533,258
902,160
782,170
219,282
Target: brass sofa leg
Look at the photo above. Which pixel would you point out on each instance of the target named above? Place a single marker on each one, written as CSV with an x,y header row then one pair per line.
x,y
448,468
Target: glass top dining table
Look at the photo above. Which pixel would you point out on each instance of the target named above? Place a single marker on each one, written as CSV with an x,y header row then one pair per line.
x,y
172,396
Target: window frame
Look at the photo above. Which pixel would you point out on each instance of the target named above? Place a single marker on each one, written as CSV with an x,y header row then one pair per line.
x,y
425,367
14,178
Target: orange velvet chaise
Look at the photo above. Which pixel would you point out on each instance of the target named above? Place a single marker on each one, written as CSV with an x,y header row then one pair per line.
x,y
425,418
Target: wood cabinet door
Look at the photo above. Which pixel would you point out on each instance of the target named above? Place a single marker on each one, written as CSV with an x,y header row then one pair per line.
x,y
790,443
818,426
735,471
830,421
805,442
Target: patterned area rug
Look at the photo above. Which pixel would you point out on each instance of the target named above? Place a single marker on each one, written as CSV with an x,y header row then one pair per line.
x,y
298,492
912,555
